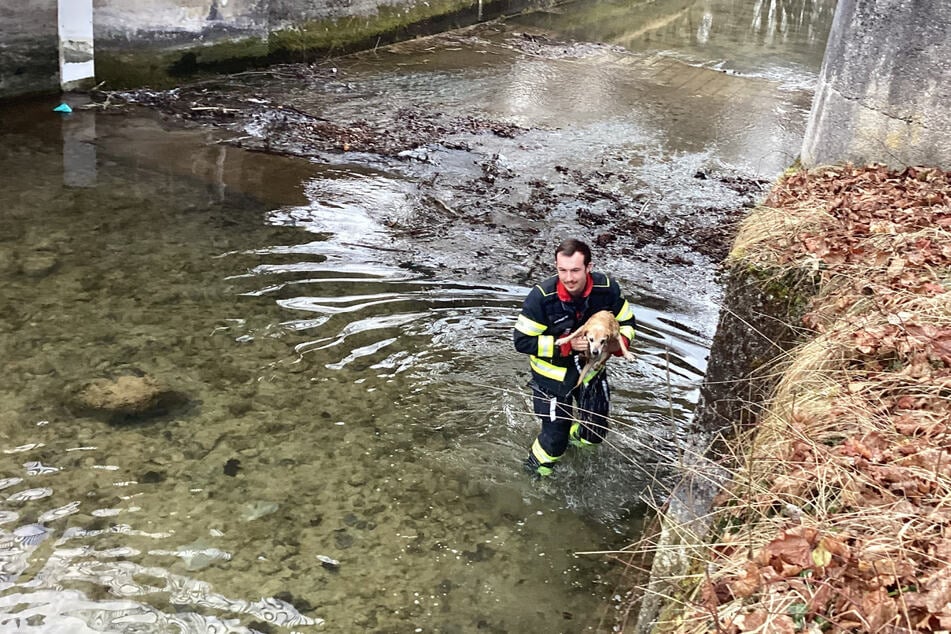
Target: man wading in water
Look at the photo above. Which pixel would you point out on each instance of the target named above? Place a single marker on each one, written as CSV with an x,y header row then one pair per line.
x,y
554,308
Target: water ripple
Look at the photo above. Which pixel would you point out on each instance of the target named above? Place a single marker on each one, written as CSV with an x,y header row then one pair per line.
x,y
9,482
23,448
30,494
31,534
38,468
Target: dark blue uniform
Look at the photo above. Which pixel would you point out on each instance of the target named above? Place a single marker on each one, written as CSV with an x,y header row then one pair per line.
x,y
549,312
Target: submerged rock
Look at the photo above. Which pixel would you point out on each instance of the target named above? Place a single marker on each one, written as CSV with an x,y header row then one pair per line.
x,y
126,397
39,264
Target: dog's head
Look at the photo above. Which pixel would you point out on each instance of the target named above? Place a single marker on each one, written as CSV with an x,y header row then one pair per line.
x,y
597,335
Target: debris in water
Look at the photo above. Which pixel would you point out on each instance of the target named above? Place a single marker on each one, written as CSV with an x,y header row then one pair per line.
x,y
258,509
232,466
328,562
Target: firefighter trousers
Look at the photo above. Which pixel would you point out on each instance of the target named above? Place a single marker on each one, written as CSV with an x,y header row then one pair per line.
x,y
587,424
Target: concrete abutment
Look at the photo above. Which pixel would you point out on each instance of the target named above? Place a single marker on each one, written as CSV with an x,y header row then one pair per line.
x,y
884,92
52,45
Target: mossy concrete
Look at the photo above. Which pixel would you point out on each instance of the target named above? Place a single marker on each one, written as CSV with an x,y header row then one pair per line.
x,y
161,43
758,325
29,53
166,62
157,67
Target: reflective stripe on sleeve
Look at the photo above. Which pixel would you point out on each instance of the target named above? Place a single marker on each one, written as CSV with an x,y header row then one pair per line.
x,y
546,346
627,311
531,328
628,331
547,370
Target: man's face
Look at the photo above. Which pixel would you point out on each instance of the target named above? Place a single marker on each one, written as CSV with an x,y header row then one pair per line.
x,y
572,272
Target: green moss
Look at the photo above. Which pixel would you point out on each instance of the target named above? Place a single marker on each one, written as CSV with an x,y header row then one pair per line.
x,y
324,35
164,68
790,289
131,70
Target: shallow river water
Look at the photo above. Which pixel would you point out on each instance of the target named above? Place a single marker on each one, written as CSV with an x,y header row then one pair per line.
x,y
349,390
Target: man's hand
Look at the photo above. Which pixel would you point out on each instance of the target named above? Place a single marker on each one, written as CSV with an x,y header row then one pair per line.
x,y
579,344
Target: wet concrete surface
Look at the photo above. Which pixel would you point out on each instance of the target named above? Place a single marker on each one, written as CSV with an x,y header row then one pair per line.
x,y
327,260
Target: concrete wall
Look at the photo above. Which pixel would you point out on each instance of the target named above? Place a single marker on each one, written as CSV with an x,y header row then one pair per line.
x,y
120,23
29,47
160,43
884,92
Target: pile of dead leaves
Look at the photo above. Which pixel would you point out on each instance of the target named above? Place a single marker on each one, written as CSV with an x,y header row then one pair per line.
x,y
839,517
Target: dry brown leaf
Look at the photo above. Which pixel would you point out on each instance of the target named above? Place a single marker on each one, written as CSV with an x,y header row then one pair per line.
x,y
837,548
751,621
844,625
750,581
938,598
790,553
942,551
878,608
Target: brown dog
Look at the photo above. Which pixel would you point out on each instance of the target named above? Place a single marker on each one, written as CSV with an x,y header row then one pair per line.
x,y
604,337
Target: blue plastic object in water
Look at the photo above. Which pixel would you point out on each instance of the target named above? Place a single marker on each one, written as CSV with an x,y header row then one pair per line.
x,y
63,107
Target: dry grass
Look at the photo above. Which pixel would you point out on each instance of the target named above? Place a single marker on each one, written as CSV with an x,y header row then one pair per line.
x,y
838,513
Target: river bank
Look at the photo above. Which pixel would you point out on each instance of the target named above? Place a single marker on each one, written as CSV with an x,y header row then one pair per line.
x,y
836,513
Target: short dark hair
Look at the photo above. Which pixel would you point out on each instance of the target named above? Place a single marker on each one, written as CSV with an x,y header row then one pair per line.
x,y
571,246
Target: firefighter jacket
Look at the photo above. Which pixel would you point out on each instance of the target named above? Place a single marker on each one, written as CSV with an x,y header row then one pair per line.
x,y
549,313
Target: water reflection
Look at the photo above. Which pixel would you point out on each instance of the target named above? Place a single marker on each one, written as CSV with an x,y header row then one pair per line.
x,y
39,572
79,151
777,39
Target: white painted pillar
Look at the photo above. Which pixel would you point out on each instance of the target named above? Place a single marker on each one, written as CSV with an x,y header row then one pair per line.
x,y
75,43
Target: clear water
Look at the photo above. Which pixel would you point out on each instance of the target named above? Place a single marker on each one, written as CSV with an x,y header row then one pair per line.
x,y
351,392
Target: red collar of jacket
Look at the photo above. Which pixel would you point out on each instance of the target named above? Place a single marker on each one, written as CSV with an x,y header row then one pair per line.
x,y
565,296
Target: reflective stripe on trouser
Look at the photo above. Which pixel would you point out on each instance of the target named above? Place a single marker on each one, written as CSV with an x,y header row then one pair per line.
x,y
555,415
557,418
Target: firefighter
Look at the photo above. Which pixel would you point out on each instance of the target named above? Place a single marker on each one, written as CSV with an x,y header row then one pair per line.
x,y
552,309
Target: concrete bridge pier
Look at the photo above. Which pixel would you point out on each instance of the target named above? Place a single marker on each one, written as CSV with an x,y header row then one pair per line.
x,y
884,92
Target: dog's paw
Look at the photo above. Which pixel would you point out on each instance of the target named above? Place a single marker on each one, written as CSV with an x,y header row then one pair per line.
x,y
629,355
562,341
